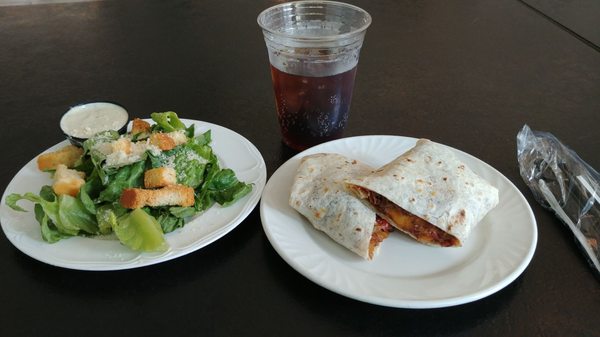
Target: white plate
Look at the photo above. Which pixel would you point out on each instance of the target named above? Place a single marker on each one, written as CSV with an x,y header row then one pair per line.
x,y
404,274
234,151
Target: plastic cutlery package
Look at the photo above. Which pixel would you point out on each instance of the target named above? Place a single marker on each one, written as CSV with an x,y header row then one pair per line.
x,y
563,182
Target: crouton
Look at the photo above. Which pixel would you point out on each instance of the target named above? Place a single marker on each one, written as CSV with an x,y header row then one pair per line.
x,y
178,137
67,156
139,126
173,195
121,145
160,177
67,181
162,141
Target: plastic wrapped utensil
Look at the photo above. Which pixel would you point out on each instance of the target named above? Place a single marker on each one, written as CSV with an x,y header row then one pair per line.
x,y
561,181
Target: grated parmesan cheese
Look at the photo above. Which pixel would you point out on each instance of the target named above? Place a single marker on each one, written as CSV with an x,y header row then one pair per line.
x,y
123,151
178,137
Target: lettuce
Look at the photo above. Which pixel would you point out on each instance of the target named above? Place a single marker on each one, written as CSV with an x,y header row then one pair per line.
x,y
126,177
169,122
73,217
50,233
92,159
59,216
188,166
226,189
190,161
140,231
171,218
106,216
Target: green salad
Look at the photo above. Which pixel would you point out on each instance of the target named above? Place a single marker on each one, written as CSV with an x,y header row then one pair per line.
x,y
110,188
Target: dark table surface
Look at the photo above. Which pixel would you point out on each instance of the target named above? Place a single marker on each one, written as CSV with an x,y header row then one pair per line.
x,y
468,74
579,17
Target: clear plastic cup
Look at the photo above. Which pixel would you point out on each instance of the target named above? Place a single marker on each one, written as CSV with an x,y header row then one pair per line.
x,y
313,49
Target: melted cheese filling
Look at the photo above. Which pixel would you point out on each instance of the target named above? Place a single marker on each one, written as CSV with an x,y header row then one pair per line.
x,y
418,228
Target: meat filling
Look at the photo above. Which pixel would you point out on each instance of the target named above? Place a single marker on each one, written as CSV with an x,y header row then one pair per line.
x,y
381,231
418,228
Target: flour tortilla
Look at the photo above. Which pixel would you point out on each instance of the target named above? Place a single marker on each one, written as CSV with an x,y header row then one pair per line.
x,y
429,182
319,194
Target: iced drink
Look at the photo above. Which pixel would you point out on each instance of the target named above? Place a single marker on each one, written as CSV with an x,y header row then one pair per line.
x,y
313,51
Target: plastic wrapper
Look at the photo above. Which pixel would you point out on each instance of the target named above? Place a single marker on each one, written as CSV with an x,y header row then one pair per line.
x,y
561,181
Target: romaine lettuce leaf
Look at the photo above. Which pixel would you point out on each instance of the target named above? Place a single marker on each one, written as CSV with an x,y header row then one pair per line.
x,y
47,200
168,122
140,231
106,218
168,222
59,216
171,218
221,186
189,167
96,157
126,177
73,217
50,233
182,212
203,139
226,189
86,200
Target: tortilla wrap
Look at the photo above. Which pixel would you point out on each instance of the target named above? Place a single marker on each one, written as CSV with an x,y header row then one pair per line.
x,y
320,195
433,190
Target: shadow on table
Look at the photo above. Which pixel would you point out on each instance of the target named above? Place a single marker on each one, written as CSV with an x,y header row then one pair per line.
x,y
191,269
335,309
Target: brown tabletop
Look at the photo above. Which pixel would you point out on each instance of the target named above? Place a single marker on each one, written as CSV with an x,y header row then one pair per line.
x,y
468,74
578,17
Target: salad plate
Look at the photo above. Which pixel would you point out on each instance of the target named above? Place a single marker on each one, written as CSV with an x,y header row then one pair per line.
x,y
405,273
106,252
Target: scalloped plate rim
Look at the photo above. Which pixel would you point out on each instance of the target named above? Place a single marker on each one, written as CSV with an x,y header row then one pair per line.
x,y
273,190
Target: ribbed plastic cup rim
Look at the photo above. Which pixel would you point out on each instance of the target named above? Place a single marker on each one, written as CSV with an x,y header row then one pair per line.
x,y
315,38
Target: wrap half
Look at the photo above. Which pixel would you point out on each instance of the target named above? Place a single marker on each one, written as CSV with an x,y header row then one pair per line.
x,y
319,194
428,194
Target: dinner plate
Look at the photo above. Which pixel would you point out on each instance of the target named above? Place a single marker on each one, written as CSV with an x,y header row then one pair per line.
x,y
404,274
98,253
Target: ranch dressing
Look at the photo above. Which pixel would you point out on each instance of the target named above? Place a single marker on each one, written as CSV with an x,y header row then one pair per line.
x,y
83,121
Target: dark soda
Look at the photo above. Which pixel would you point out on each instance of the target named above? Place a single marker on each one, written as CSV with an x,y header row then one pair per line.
x,y
312,110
